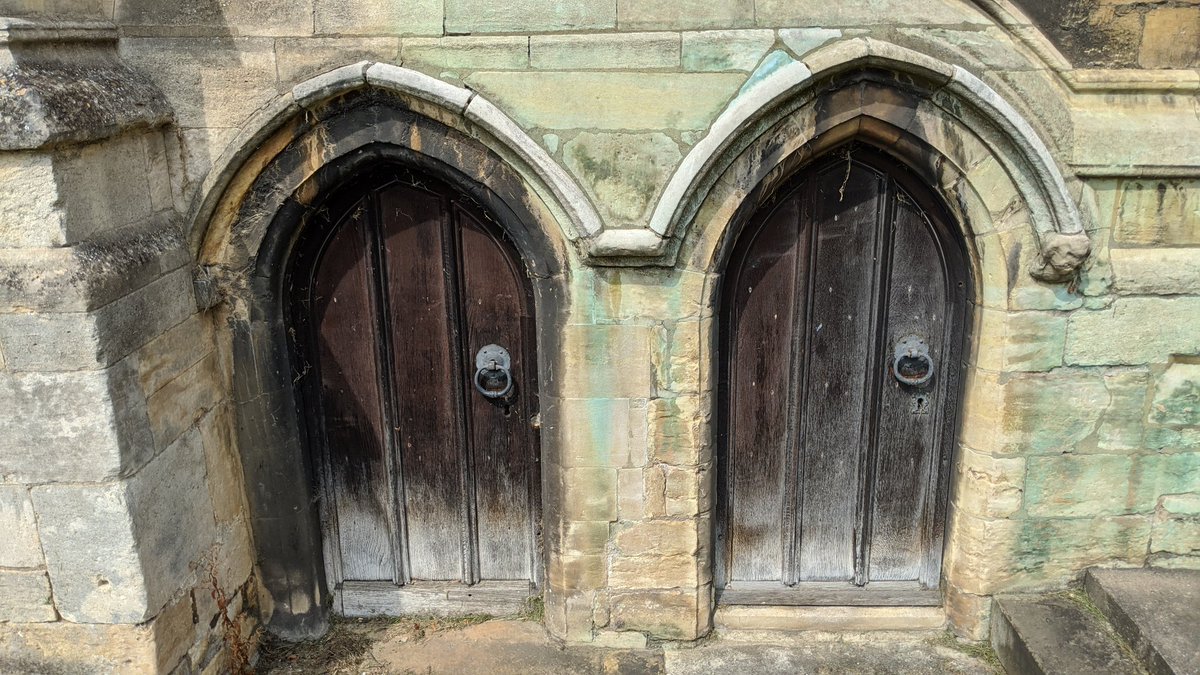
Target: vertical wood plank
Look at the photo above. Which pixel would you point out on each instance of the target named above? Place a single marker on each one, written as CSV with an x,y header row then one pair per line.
x,y
841,339
496,311
763,322
906,439
351,402
426,392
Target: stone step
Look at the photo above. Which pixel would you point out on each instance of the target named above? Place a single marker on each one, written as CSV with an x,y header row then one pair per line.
x,y
1157,611
1055,635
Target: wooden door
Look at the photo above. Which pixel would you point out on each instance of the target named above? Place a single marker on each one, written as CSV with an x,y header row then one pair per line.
x,y
833,469
424,477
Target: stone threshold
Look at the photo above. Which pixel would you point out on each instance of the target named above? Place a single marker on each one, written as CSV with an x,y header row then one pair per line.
x,y
734,618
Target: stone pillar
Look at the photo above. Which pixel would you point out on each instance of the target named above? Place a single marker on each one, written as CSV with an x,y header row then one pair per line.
x,y
118,484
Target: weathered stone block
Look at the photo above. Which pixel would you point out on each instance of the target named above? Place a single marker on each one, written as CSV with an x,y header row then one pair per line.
x,y
1156,271
528,16
609,101
632,51
208,83
589,494
117,552
21,545
469,53
371,17
301,58
1177,396
31,213
624,295
677,430
631,495
239,17
682,358
1134,331
988,486
659,538
891,12
622,173
180,403
803,40
1170,38
602,432
607,361
1176,536
104,186
1049,553
1020,341
65,647
1034,413
635,15
1082,485
673,571
685,490
1164,474
717,50
25,597
1165,212
225,478
1181,504
167,356
585,537
83,426
77,341
670,614
578,572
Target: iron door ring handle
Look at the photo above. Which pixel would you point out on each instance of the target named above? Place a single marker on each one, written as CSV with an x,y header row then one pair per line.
x,y
493,359
911,363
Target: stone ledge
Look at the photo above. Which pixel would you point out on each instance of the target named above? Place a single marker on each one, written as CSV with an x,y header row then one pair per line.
x,y
829,618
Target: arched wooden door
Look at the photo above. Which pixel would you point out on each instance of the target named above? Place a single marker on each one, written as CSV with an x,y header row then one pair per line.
x,y
843,321
428,467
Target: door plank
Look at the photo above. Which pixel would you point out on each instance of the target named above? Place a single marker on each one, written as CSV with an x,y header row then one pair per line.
x,y
351,401
908,415
426,391
841,337
496,311
761,386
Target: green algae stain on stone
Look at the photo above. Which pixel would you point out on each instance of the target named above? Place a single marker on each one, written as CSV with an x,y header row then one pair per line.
x,y
774,61
622,173
1177,399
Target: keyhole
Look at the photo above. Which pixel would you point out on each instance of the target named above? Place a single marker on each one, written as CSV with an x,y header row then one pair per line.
x,y
920,405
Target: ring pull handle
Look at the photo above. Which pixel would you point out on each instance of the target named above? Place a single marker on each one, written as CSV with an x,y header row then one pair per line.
x,y
911,363
493,374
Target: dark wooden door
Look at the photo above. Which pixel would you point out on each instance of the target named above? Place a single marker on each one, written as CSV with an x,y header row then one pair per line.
x,y
395,288
833,469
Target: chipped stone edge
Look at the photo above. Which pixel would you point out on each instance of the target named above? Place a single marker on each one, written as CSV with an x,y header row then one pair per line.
x,y
460,101
777,87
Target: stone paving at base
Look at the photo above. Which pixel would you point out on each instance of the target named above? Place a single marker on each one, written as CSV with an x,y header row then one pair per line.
x,y
502,647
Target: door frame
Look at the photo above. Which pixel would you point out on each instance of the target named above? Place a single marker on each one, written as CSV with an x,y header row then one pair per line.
x,y
957,263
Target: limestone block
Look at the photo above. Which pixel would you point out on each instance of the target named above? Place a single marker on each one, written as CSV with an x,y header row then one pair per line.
x,y
1181,504
31,213
1164,126
82,426
635,15
1122,426
649,295
685,490
609,101
1177,396
975,49
301,58
716,50
1034,413
968,614
1156,271
988,486
1134,331
65,647
179,348
631,51
1172,440
77,340
581,537
682,357
668,614
1082,485
183,401
469,53
844,619
602,432
976,558
103,186
663,538
25,596
1049,553
21,545
673,571
118,551
73,9
371,17
1165,474
528,16
208,83
677,431
607,360
589,494
622,173
631,494
1020,341
577,572
1170,38
873,12
226,481
237,17
1164,212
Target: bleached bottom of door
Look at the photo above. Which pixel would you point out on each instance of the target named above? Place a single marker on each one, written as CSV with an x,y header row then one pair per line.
x,y
874,594
438,598
752,618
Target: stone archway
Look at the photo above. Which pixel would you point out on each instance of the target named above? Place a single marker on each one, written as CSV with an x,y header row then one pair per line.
x,y
268,194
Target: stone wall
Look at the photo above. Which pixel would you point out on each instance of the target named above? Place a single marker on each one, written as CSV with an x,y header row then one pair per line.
x,y
120,469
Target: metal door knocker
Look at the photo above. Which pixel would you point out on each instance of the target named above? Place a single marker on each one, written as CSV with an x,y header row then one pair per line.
x,y
493,378
911,363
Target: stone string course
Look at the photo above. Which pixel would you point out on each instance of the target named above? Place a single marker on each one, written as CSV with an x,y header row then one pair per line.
x,y
122,505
